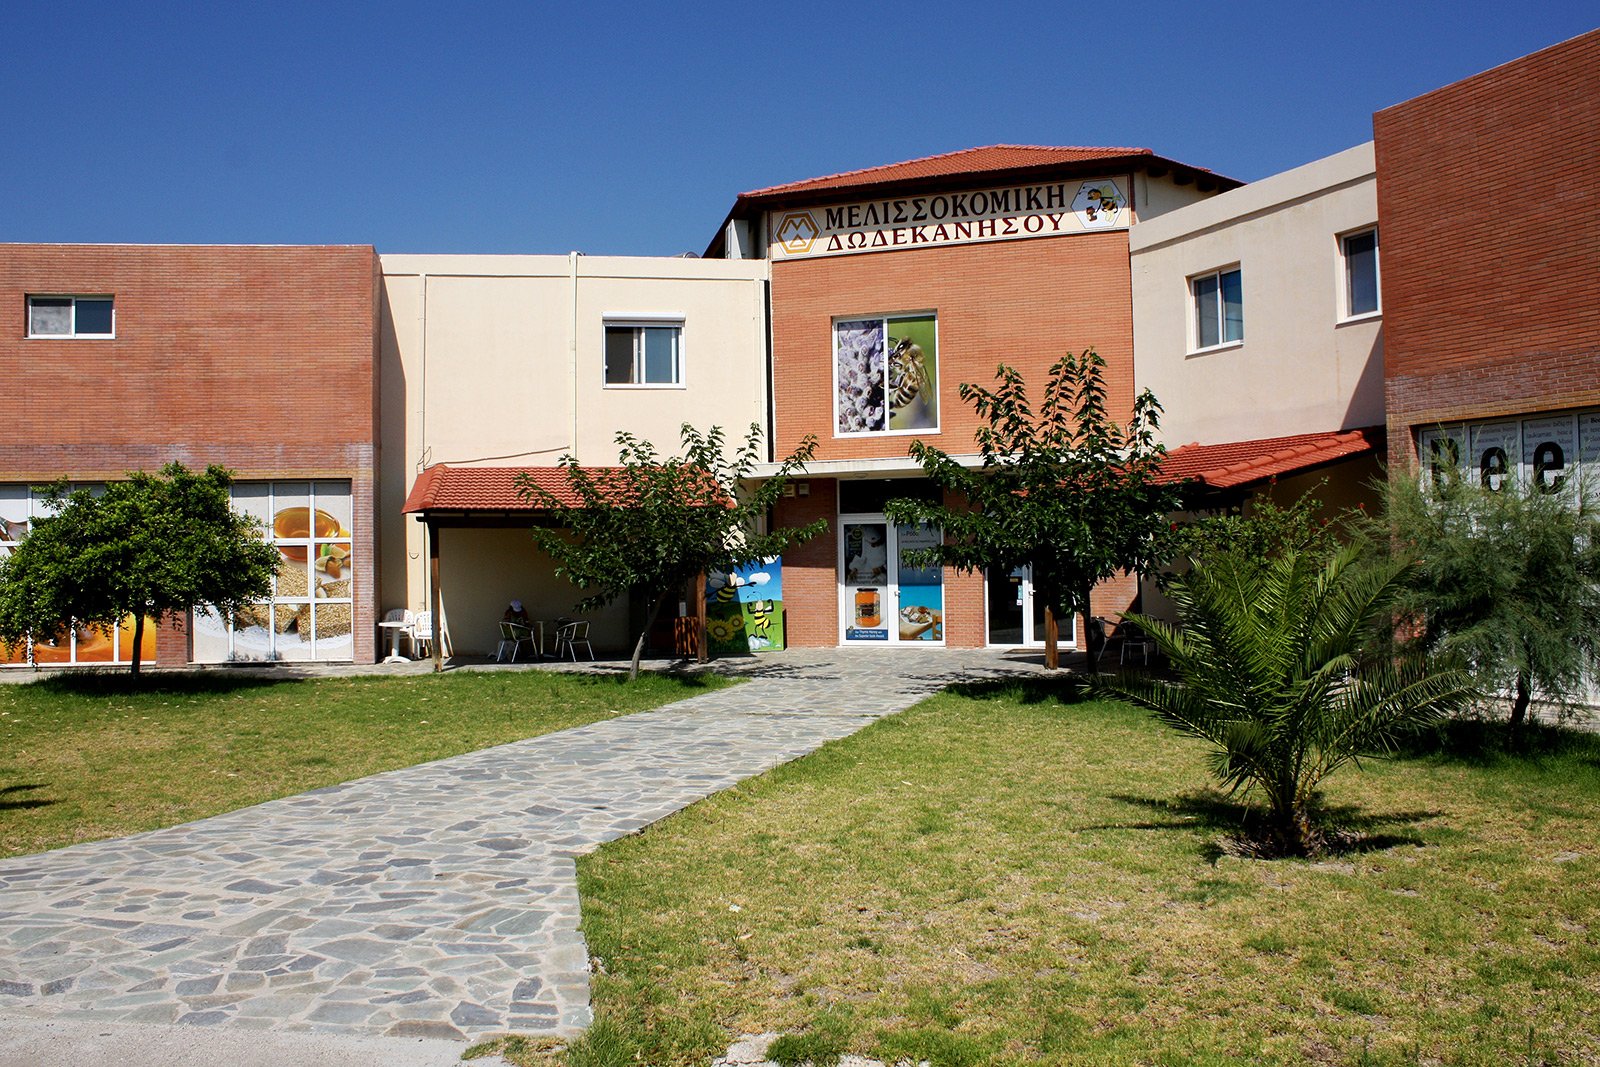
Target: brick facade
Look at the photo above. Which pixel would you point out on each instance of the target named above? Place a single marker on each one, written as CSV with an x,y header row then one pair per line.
x,y
1024,303
1489,209
261,359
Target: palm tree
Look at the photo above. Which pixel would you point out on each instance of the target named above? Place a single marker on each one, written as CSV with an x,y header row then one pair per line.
x,y
1278,666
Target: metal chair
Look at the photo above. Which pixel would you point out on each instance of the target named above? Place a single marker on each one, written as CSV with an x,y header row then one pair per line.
x,y
1135,642
513,635
569,636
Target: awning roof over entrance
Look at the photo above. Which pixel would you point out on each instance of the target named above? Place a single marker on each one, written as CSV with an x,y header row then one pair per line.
x,y
445,488
1241,463
482,492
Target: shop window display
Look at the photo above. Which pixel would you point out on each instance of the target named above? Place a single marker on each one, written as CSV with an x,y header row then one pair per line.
x,y
310,613
74,643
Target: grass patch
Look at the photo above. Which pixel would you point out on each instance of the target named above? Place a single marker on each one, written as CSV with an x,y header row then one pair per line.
x,y
1012,875
85,757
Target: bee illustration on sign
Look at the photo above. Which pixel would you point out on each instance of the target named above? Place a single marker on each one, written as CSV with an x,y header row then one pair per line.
x,y
1098,204
761,620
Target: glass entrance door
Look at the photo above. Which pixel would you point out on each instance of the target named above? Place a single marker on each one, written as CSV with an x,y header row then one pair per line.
x,y
883,598
1015,615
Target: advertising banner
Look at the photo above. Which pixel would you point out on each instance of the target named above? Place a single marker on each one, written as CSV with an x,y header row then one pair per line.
x,y
310,615
744,609
886,374
921,613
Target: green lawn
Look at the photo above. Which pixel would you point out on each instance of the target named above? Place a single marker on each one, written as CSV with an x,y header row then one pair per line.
x,y
999,877
92,756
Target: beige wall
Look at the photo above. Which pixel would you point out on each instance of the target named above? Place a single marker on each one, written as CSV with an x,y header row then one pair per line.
x,y
1154,197
480,571
497,361
1300,368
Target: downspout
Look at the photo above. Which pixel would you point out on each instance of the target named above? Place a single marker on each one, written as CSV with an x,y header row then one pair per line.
x,y
772,402
422,414
572,277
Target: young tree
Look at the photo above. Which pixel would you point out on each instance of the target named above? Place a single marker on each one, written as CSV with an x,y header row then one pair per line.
x,y
1267,531
1281,665
653,524
1508,579
1064,490
150,547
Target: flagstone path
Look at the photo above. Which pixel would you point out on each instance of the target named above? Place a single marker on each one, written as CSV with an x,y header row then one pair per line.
x,y
439,901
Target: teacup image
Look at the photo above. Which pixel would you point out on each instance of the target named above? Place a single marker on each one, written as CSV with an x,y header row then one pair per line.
x,y
299,522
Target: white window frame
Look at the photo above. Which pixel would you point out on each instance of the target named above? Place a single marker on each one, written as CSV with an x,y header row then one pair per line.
x,y
1345,288
885,318
310,544
34,509
73,333
1194,310
638,323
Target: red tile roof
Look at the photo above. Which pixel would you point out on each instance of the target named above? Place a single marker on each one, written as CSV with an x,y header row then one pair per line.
x,y
1240,463
995,157
445,488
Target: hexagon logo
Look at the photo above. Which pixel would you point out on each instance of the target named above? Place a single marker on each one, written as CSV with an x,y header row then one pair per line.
x,y
1098,204
795,232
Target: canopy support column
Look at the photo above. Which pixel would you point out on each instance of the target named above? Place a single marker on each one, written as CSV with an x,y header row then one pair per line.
x,y
434,598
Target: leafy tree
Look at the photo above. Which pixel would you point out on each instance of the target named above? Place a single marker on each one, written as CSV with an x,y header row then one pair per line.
x,y
150,547
1267,530
653,524
1064,490
1507,579
1281,665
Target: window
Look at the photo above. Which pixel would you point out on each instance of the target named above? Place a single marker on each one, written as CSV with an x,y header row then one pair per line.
x,y
75,642
1218,309
1360,273
310,614
886,374
69,316
644,354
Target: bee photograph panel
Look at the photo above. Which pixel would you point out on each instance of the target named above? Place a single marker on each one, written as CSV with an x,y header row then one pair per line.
x,y
886,374
913,371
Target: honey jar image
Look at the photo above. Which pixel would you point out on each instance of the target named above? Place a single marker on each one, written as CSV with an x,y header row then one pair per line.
x,y
868,612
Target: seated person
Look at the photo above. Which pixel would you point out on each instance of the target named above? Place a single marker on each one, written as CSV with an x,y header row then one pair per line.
x,y
515,614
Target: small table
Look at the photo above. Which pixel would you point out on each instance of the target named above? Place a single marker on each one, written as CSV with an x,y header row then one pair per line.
x,y
395,630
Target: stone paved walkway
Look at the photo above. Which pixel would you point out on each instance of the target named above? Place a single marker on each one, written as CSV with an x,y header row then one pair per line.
x,y
438,901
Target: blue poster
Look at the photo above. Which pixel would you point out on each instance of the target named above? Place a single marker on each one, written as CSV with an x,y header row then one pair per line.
x,y
744,609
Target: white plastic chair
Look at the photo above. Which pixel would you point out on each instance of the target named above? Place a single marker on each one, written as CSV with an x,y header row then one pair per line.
x,y
422,633
569,636
404,617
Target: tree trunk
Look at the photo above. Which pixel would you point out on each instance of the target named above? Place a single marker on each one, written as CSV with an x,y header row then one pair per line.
x,y
1519,706
702,652
138,640
1052,640
1292,832
644,635
1094,638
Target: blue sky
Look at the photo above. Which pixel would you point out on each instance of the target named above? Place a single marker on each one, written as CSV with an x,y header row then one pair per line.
x,y
629,128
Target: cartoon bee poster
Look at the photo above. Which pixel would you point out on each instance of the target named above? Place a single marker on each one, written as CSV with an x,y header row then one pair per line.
x,y
744,609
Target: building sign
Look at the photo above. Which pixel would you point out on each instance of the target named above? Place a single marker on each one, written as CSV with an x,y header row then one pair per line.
x,y
1045,209
1552,453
